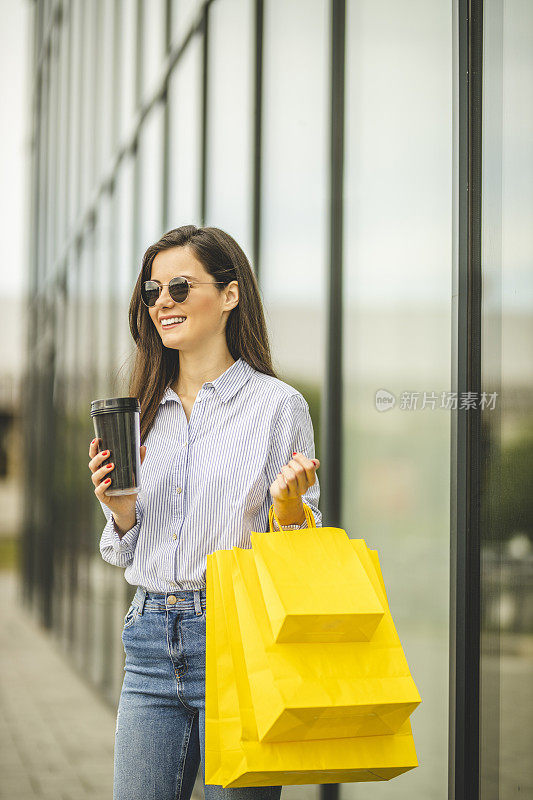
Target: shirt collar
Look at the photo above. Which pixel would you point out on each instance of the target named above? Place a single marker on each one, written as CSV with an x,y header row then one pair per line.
x,y
226,385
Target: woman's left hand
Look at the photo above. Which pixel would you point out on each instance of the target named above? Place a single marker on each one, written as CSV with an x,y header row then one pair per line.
x,y
295,478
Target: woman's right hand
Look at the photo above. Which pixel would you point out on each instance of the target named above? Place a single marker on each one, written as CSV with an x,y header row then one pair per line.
x,y
121,505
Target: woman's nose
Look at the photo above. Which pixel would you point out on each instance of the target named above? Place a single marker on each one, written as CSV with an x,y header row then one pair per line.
x,y
164,298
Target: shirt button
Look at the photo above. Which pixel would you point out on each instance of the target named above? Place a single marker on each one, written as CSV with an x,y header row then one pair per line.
x,y
178,489
171,599
175,536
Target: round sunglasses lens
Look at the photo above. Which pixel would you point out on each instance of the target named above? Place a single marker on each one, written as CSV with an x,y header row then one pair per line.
x,y
178,289
150,292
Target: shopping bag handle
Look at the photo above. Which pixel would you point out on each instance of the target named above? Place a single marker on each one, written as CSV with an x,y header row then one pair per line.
x,y
310,517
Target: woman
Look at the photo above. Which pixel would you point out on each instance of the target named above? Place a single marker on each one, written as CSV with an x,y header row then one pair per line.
x,y
221,439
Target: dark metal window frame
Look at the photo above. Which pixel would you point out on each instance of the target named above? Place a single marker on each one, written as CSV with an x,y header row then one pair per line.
x,y
331,440
464,745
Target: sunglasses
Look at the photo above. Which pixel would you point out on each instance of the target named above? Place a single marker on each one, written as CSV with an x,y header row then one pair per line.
x,y
178,289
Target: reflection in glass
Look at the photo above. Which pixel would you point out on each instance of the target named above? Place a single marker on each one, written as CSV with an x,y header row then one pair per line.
x,y
397,337
74,112
150,200
230,119
86,163
185,108
507,329
125,270
153,44
60,388
103,293
127,66
105,78
53,155
82,504
294,189
61,217
183,14
71,542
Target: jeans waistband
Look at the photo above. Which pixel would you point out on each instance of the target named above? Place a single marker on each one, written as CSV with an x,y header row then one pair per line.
x,y
180,600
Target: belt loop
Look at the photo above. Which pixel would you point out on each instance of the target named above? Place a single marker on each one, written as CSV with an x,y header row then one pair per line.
x,y
143,599
197,602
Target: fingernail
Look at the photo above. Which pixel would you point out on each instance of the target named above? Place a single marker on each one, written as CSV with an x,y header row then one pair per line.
x,y
93,441
294,452
314,461
108,480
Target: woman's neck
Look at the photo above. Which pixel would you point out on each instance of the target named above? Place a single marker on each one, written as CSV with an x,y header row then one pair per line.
x,y
191,379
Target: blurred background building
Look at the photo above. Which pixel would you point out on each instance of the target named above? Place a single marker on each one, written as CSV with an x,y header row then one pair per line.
x,y
374,160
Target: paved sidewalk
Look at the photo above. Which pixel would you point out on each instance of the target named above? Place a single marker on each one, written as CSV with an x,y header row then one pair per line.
x,y
56,735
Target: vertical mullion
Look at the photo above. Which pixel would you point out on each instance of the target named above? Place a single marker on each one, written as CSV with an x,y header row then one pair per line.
x,y
67,20
166,126
168,26
331,438
28,388
204,113
257,143
166,162
136,151
331,443
466,423
139,57
118,50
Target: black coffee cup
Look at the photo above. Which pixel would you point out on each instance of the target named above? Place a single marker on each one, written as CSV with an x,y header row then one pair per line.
x,y
117,427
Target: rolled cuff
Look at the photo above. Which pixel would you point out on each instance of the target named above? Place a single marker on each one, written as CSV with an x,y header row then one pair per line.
x,y
129,539
114,549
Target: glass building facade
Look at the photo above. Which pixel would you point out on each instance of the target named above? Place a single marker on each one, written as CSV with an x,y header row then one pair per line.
x,y
373,158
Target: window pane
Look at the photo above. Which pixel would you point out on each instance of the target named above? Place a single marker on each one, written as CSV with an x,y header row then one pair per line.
x,y
86,163
125,266
295,174
507,426
150,154
230,118
153,46
75,30
104,65
63,132
127,70
397,312
184,13
185,107
102,310
52,155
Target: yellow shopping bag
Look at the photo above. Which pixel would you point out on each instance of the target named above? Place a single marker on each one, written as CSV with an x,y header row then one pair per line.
x,y
321,690
314,585
213,672
231,762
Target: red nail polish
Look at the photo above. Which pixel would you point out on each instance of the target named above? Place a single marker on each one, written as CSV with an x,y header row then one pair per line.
x,y
107,480
294,452
93,441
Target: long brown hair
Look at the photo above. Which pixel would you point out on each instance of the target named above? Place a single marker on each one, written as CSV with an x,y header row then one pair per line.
x,y
156,366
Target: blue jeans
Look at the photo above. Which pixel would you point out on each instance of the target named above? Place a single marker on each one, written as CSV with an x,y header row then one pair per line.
x,y
159,738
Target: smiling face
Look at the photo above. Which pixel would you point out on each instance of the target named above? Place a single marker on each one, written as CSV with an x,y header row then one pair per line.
x,y
206,308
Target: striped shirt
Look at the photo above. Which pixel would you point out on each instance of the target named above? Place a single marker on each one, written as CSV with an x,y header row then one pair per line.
x,y
205,483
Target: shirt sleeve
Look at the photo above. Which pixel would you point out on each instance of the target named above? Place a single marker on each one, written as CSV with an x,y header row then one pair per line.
x,y
114,549
293,431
